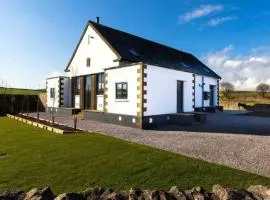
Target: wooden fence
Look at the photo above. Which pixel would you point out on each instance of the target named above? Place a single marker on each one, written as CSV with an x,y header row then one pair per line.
x,y
13,103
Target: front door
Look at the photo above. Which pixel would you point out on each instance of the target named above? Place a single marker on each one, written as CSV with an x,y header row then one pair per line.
x,y
211,100
180,96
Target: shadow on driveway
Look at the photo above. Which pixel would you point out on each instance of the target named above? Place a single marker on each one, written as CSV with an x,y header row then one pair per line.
x,y
232,122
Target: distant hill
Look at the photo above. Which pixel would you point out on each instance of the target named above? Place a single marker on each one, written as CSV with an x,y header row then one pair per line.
x,y
247,97
21,91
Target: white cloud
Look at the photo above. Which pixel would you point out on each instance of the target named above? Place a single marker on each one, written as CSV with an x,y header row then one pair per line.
x,y
218,21
218,58
245,72
202,11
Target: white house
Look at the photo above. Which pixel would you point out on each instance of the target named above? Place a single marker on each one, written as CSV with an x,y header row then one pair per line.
x,y
118,77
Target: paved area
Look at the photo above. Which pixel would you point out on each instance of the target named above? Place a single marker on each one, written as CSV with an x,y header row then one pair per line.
x,y
228,138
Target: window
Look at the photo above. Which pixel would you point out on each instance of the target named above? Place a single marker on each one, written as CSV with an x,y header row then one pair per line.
x,y
88,62
87,93
121,90
100,83
206,95
77,85
52,93
89,39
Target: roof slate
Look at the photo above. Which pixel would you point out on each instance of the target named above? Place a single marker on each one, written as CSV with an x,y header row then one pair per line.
x,y
137,49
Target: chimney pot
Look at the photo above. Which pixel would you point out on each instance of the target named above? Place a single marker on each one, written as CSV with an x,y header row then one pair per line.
x,y
97,20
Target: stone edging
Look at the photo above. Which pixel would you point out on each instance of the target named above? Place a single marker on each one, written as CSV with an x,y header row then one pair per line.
x,y
36,124
257,192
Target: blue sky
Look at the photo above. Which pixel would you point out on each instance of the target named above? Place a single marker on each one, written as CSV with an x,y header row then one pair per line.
x,y
37,38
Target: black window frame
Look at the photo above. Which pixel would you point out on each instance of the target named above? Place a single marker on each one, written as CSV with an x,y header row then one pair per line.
x,y
52,93
88,62
123,93
100,83
77,85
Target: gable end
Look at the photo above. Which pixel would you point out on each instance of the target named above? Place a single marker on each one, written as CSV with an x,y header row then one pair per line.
x,y
89,23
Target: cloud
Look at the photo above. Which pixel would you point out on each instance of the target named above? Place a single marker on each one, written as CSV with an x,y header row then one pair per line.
x,y
218,21
244,71
202,11
261,50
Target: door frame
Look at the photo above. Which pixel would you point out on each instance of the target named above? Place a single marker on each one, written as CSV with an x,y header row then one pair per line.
x,y
180,96
212,95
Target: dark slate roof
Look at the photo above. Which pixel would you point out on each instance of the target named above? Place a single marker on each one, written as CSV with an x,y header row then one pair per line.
x,y
137,49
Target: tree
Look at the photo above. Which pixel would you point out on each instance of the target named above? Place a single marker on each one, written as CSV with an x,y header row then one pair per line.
x,y
226,88
263,88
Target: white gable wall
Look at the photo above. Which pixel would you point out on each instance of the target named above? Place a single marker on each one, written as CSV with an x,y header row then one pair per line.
x,y
123,106
97,50
162,90
53,83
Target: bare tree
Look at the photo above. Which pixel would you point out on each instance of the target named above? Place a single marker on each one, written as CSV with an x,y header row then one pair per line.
x,y
226,88
263,88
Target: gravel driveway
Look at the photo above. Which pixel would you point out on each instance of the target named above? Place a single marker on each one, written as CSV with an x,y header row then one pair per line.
x,y
238,141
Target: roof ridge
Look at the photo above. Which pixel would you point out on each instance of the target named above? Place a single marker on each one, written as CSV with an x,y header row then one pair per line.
x,y
139,37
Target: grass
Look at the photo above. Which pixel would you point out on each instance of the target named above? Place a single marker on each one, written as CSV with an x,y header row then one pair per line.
x,y
247,97
21,91
68,163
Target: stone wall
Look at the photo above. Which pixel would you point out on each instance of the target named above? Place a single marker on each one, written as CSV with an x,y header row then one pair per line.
x,y
257,192
43,99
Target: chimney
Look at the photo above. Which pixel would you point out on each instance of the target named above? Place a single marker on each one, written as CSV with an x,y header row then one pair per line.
x,y
97,20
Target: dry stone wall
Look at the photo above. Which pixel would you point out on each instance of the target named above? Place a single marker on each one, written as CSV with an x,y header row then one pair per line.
x,y
257,192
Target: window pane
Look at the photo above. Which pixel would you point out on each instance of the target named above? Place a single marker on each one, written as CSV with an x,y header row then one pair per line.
x,y
100,83
119,86
88,62
52,93
121,90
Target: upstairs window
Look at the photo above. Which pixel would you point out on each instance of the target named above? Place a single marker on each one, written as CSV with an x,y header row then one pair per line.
x,y
89,39
88,62
121,90
52,93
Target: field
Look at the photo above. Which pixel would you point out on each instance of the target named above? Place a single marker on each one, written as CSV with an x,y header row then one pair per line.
x,y
20,91
247,97
31,157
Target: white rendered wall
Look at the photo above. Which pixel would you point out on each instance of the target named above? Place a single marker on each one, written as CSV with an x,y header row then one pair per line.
x,y
123,106
210,81
198,90
100,102
53,83
162,89
97,50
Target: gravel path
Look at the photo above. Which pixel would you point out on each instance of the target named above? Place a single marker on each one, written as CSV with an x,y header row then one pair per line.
x,y
220,140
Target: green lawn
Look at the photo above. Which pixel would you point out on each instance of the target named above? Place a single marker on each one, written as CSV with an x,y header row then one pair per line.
x,y
20,91
73,162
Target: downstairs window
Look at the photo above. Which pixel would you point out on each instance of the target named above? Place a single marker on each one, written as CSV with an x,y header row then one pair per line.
x,y
121,90
52,93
